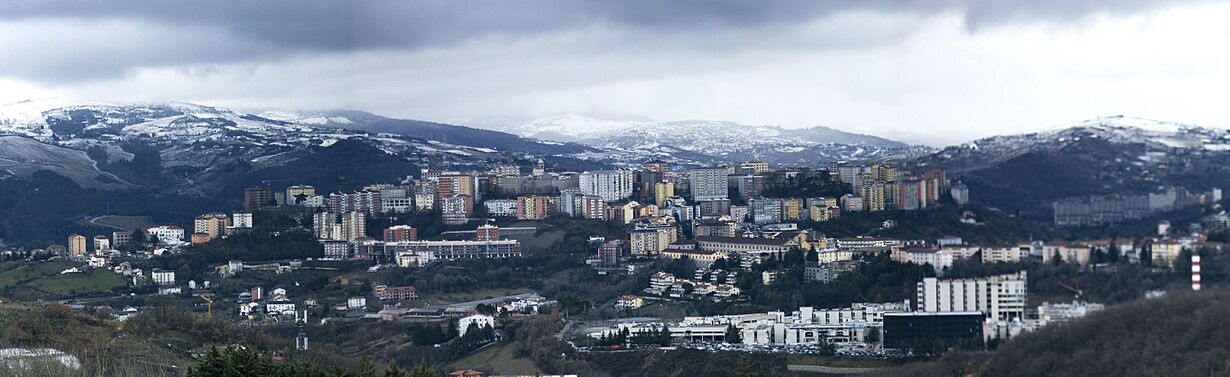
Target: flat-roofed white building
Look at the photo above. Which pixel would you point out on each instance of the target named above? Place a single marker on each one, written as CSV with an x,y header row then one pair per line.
x,y
1000,298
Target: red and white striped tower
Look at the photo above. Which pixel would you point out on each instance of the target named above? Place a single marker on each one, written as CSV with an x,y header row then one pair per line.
x,y
1195,272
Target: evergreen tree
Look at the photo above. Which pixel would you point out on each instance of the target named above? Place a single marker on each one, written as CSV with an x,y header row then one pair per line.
x,y
664,336
424,370
732,335
234,361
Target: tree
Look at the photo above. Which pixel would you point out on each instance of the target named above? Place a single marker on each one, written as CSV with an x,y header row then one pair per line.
x,y
1056,259
732,335
234,361
485,309
394,371
664,336
1112,253
872,335
1146,255
424,370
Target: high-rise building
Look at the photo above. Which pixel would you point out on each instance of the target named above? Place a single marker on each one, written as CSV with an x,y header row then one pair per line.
x,y
322,225
102,244
456,209
883,172
401,233
533,207
911,194
76,245
369,201
487,232
750,186
256,197
570,202
354,225
425,195
709,184
593,207
611,185
794,209
663,191
937,182
765,210
872,192
649,239
212,225
453,185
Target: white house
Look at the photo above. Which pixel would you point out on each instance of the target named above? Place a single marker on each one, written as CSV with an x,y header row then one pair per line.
x,y
356,303
280,307
162,277
166,234
479,320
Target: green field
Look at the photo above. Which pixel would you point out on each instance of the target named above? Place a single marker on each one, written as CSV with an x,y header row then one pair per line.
x,y
16,273
45,277
497,359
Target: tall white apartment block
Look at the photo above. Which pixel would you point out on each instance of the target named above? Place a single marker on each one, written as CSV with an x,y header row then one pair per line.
x,y
611,185
1000,298
709,184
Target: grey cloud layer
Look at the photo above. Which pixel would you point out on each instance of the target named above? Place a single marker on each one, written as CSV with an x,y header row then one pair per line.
x,y
334,25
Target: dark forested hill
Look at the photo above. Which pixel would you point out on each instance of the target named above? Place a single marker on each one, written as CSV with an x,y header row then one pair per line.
x,y
1183,334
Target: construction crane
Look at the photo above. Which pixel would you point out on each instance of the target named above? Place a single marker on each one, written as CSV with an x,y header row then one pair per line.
x,y
209,306
1075,289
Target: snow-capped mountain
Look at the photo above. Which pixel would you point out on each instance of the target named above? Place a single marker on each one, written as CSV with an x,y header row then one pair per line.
x,y
201,144
1026,173
1156,137
719,140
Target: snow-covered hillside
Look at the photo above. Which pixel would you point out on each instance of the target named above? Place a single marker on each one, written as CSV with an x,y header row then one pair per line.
x,y
724,141
1159,137
192,138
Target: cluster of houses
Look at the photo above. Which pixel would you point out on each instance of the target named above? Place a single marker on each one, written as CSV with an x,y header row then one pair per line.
x,y
718,287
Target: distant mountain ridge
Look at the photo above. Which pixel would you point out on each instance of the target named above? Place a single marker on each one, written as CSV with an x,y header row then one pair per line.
x,y
1025,173
720,140
1118,129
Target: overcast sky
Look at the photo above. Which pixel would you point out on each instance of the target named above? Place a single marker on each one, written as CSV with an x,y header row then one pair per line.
x,y
934,72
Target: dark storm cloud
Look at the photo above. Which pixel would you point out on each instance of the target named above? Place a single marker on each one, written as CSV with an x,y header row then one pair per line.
x,y
338,25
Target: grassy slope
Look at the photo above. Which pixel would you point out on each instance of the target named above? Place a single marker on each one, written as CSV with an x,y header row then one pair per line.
x,y
45,277
498,359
